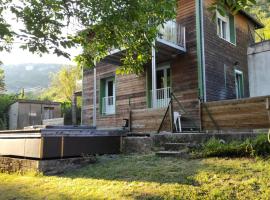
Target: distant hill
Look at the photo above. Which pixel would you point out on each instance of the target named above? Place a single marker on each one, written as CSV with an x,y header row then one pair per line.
x,y
31,77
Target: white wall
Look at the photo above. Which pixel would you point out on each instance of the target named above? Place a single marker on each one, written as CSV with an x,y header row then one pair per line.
x,y
259,69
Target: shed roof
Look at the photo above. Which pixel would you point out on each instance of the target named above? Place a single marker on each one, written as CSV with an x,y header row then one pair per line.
x,y
37,102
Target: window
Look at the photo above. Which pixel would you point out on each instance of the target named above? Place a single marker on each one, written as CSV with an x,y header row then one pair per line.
x,y
107,96
48,113
226,27
239,84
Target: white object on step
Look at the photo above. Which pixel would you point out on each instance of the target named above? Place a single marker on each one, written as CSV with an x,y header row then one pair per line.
x,y
177,121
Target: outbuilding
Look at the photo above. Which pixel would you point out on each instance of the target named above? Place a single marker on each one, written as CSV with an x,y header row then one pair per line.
x,y
25,113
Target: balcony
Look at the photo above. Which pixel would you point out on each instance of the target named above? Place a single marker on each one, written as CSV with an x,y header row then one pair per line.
x,y
162,98
171,41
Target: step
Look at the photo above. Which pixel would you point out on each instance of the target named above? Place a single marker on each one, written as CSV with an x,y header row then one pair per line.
x,y
179,154
175,146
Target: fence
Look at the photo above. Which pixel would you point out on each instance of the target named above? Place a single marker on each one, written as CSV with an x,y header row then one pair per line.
x,y
249,113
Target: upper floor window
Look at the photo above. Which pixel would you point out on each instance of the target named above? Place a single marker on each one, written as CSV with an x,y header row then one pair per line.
x,y
226,27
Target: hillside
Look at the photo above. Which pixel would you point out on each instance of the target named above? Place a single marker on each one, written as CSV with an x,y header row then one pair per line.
x,y
31,77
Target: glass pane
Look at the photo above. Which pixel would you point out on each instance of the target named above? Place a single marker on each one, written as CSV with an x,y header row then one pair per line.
x,y
110,88
219,27
224,30
168,77
160,79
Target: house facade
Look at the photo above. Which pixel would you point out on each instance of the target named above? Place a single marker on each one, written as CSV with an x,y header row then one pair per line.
x,y
196,57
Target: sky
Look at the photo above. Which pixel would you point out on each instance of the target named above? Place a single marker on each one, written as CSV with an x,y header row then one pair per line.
x,y
19,56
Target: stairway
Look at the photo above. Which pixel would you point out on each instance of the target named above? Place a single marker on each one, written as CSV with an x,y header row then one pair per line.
x,y
180,150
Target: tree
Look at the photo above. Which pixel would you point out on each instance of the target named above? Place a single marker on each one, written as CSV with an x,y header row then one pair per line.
x,y
262,11
63,84
2,81
100,25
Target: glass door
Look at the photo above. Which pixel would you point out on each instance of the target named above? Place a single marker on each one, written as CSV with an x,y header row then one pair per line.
x,y
110,96
163,82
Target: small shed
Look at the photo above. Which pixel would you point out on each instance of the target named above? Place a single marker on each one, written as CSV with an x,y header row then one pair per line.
x,y
31,112
259,69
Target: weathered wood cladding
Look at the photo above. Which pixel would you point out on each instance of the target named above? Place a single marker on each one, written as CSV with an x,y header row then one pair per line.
x,y
250,113
221,57
184,84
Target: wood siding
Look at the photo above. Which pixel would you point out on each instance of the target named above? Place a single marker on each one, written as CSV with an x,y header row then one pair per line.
x,y
250,113
221,56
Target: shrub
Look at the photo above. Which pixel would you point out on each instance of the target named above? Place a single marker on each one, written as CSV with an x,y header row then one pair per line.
x,y
248,148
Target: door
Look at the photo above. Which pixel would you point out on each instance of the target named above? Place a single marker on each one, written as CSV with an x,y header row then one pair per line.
x,y
163,82
239,84
109,96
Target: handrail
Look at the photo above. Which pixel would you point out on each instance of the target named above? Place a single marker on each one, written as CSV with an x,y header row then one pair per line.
x,y
171,106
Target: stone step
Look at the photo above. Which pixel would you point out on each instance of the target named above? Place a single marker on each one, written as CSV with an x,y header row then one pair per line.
x,y
179,154
175,146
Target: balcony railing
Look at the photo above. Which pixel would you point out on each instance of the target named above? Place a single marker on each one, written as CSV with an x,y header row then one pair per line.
x,y
108,105
163,97
173,32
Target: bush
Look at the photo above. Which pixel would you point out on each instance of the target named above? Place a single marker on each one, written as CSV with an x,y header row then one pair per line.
x,y
259,146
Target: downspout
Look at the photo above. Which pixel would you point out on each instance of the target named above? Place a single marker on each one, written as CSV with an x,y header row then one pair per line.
x,y
203,50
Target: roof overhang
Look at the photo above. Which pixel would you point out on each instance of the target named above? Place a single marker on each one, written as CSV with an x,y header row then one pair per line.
x,y
165,50
257,23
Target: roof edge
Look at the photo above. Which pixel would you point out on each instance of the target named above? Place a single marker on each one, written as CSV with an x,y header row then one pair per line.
x,y
258,24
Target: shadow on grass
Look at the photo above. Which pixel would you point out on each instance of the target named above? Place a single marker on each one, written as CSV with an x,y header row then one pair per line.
x,y
143,168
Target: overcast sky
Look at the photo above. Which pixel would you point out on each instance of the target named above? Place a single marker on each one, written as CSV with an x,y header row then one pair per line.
x,y
19,56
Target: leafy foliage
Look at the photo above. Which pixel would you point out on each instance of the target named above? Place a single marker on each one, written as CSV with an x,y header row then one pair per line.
x,y
259,146
63,84
5,102
2,80
262,11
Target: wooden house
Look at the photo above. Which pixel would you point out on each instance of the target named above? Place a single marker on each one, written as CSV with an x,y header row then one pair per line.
x,y
25,113
196,58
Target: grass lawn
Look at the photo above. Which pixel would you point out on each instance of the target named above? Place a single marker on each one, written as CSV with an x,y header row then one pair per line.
x,y
147,177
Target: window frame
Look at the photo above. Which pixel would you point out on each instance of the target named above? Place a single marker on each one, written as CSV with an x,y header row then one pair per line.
x,y
229,19
236,73
103,88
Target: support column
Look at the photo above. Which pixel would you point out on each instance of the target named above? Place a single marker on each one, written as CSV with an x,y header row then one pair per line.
x,y
95,99
154,86
74,109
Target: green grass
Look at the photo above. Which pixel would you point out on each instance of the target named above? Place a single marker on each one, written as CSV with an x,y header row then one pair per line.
x,y
147,177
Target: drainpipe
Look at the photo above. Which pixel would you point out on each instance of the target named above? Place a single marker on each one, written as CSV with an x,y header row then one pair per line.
x,y
203,48
154,91
95,98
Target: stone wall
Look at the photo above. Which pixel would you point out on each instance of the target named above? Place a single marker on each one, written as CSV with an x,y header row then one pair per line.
x,y
142,145
47,167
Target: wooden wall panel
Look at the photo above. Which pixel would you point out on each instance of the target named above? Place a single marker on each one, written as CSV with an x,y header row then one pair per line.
x,y
220,80
250,113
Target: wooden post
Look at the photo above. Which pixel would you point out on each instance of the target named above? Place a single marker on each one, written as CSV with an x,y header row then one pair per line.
x,y
200,114
172,116
130,115
74,109
95,98
154,91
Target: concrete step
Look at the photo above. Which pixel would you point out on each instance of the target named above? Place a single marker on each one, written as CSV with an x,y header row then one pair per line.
x,y
179,154
175,146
